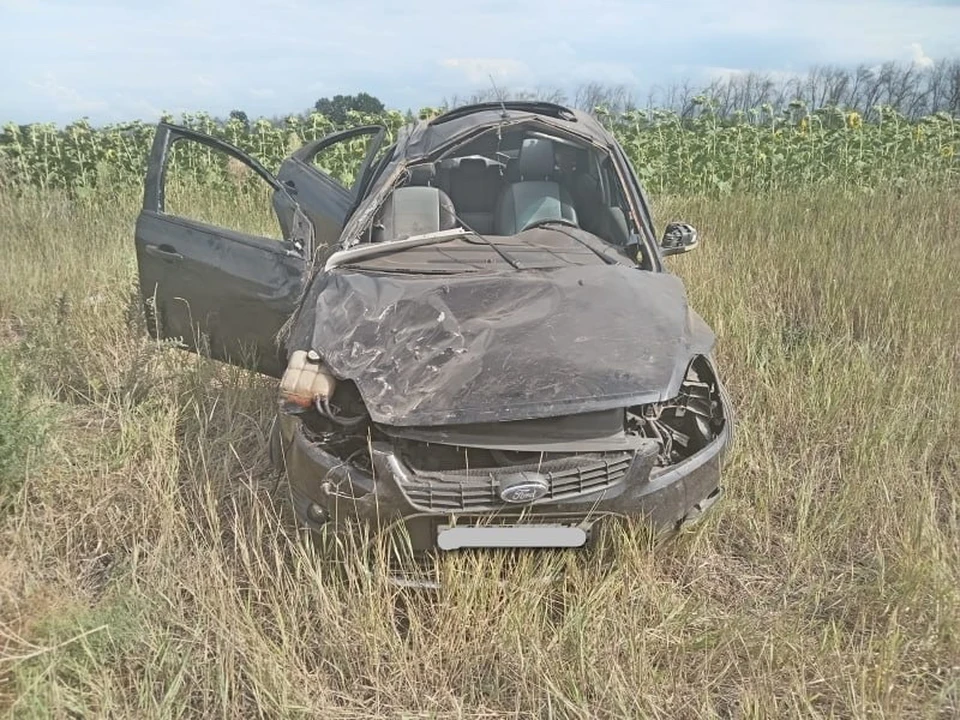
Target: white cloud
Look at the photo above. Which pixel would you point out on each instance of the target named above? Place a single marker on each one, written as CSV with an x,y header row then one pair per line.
x,y
919,57
64,98
712,72
479,70
605,72
20,5
223,54
127,107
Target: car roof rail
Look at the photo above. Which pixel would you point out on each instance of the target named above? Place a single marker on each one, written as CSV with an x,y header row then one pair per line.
x,y
535,106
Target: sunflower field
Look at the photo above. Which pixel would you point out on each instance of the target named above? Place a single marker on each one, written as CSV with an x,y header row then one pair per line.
x,y
762,150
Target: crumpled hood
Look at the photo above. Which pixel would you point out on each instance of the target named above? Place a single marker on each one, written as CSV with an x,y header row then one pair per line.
x,y
435,350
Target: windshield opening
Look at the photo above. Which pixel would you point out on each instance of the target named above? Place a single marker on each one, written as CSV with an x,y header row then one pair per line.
x,y
509,181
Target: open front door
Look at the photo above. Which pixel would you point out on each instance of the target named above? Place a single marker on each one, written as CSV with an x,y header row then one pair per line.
x,y
221,292
327,176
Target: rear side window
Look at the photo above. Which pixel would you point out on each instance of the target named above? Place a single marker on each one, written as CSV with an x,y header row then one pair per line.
x,y
204,184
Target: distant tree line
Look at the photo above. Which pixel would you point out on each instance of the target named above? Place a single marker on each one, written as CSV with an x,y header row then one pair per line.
x,y
337,107
912,90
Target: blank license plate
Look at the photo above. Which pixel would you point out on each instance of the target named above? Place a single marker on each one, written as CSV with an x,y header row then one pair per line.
x,y
535,536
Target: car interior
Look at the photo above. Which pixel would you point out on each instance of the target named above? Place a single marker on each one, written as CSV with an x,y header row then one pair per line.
x,y
502,185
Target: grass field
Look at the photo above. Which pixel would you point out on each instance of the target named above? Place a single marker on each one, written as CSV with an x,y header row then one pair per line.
x,y
149,567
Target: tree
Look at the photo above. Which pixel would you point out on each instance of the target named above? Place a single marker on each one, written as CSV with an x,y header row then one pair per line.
x,y
336,108
241,116
912,90
615,99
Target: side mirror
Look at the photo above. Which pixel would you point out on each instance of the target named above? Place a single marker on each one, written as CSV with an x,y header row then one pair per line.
x,y
678,238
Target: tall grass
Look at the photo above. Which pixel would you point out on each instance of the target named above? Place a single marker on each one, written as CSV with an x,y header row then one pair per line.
x,y
21,431
149,566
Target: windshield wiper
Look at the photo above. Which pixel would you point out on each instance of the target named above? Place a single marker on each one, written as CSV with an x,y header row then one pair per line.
x,y
370,249
602,255
513,262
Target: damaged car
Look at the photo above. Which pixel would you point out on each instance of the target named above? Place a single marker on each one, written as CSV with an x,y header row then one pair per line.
x,y
476,342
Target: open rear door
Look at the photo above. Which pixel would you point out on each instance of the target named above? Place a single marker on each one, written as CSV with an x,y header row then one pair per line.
x,y
221,292
328,197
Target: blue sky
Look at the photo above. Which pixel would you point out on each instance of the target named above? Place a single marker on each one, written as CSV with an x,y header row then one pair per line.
x,y
114,61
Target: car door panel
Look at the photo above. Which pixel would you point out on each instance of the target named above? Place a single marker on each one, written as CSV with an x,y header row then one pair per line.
x,y
324,200
221,292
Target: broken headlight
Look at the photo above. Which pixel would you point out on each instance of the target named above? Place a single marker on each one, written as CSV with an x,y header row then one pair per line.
x,y
686,423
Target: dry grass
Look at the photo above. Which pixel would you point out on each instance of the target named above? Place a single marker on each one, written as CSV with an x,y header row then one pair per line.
x,y
148,567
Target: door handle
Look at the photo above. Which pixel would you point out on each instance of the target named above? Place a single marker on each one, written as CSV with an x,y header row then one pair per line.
x,y
164,252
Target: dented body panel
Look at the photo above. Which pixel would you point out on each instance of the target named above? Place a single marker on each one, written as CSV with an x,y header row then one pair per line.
x,y
510,346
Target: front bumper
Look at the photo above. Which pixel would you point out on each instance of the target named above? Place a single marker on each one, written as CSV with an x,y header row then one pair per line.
x,y
327,490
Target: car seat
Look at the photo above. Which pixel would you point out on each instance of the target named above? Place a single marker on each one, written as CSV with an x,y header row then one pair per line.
x,y
536,195
414,210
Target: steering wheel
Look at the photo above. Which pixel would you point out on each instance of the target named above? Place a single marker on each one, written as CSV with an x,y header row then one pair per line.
x,y
548,221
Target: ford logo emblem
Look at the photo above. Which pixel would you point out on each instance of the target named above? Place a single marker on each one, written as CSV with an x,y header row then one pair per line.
x,y
523,487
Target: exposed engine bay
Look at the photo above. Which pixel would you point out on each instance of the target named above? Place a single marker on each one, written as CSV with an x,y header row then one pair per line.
x,y
685,424
334,415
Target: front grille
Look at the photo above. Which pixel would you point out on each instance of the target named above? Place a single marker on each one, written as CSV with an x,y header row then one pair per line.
x,y
479,489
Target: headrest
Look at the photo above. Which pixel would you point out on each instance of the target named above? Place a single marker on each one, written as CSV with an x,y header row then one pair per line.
x,y
473,165
413,210
536,160
422,174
